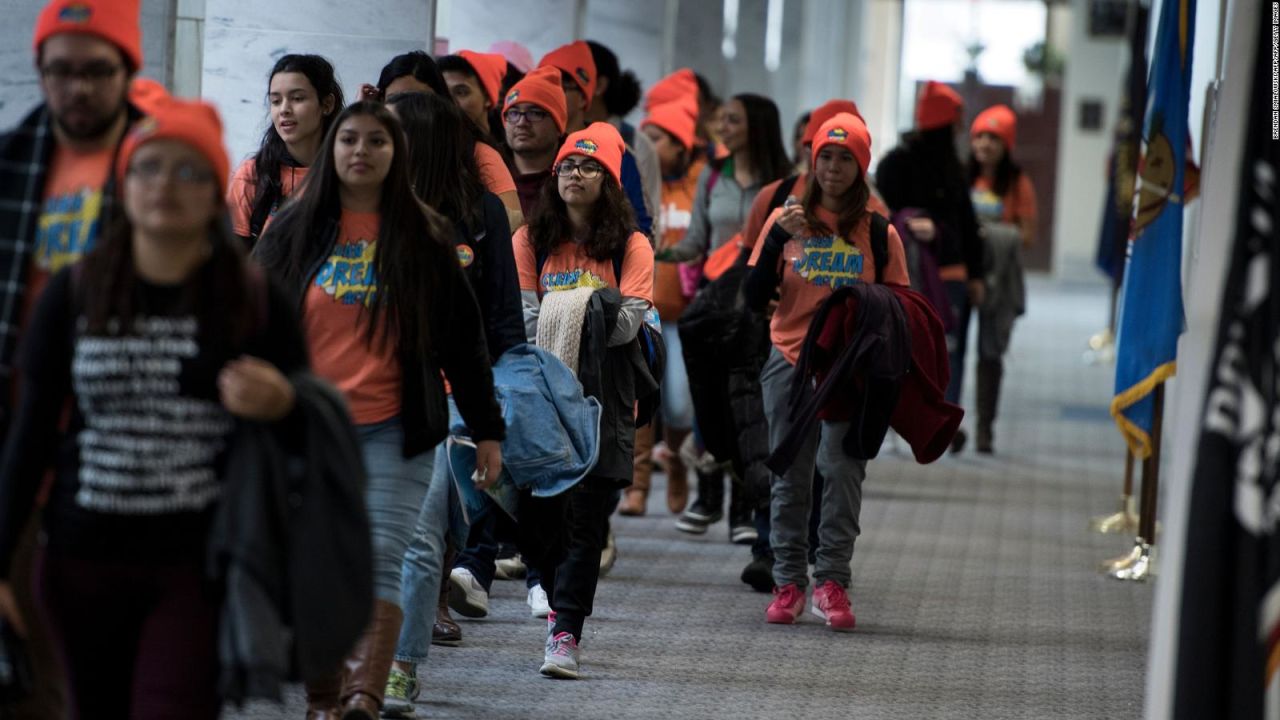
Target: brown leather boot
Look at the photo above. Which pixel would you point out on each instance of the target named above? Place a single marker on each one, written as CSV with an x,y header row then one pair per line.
x,y
677,474
637,496
322,698
370,663
445,631
990,373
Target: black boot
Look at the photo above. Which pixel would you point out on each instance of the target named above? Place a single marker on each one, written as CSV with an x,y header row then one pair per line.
x,y
990,373
708,509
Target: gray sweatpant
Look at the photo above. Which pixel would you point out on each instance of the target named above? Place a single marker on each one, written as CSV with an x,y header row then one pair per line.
x,y
792,493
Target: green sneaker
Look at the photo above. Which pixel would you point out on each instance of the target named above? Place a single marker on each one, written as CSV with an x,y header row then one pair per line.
x,y
402,690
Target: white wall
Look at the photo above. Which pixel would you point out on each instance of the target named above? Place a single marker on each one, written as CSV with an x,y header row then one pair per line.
x,y
19,84
540,25
1095,70
244,38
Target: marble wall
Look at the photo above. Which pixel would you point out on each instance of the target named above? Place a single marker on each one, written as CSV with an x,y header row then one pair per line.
x,y
19,83
540,25
244,38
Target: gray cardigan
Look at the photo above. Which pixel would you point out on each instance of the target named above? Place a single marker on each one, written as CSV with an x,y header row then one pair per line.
x,y
718,214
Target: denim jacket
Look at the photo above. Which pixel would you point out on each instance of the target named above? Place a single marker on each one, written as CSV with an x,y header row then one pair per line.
x,y
553,431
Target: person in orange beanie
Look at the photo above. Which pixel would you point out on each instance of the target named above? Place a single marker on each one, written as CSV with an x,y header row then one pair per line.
x,y
57,197
115,21
1005,203
924,185
600,142
475,82
133,531
809,250
679,84
582,237
578,74
578,67
672,127
938,106
534,116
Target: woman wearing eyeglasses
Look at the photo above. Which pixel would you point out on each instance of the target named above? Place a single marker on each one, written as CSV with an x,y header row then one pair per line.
x,y
582,236
155,343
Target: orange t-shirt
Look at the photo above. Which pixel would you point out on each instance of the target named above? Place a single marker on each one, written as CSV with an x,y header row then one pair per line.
x,y
1018,204
241,192
760,210
336,319
569,267
494,174
69,223
814,267
677,212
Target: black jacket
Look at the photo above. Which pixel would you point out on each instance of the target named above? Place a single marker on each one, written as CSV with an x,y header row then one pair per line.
x,y
619,378
490,266
290,544
925,172
859,374
457,347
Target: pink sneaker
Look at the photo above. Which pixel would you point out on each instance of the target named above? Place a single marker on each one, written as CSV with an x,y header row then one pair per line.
x,y
788,603
831,603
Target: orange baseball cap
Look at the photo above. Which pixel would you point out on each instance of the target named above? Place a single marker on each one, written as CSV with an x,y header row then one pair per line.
x,y
999,120
600,142
576,60
490,69
846,130
193,122
938,106
542,88
115,21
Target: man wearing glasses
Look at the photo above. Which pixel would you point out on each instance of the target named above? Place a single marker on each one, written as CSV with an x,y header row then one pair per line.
x,y
535,115
55,195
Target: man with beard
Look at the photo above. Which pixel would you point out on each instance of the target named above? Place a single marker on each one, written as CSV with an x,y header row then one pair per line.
x,y
55,196
535,115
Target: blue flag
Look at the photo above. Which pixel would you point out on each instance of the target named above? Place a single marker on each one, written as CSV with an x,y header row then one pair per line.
x,y
1151,315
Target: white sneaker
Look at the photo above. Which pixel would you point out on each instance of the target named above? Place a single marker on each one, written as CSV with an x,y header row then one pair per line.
x,y
538,605
467,596
609,555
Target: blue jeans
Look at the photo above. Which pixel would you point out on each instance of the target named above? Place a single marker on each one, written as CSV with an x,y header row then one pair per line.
x,y
677,403
421,566
958,338
394,496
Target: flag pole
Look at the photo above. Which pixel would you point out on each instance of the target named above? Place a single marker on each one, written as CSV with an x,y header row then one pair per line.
x,y
1139,565
1126,519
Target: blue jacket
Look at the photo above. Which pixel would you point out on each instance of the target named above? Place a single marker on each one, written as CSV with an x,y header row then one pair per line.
x,y
553,431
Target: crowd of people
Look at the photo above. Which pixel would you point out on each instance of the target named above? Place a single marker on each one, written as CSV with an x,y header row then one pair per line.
x,y
482,305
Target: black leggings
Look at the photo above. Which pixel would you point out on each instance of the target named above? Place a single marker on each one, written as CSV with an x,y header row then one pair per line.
x,y
562,537
139,640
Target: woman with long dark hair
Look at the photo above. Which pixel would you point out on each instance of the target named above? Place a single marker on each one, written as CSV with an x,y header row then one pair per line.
x,y
582,236
416,72
386,309
923,179
156,343
444,176
305,97
750,130
809,250
1004,201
